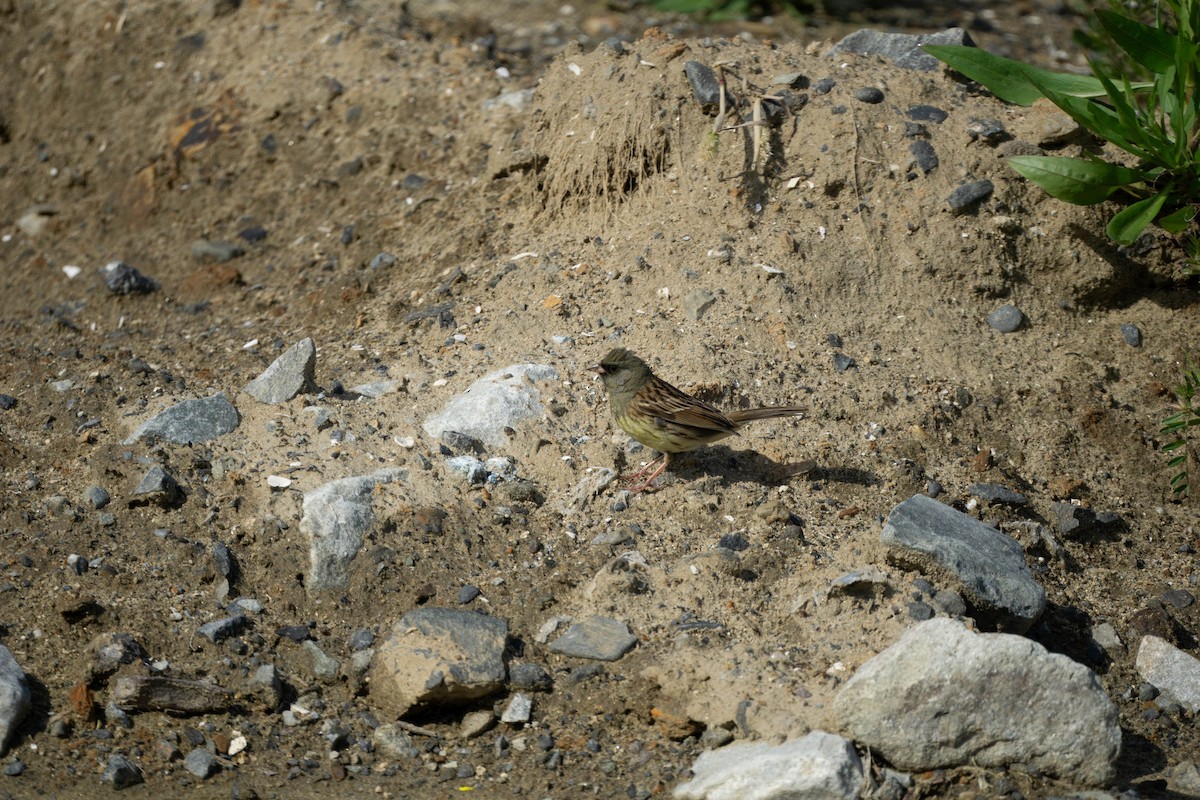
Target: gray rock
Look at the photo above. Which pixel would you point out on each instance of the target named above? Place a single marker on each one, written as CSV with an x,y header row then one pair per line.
x,y
121,772
529,676
467,593
820,766
696,302
157,487
361,639
1170,670
600,638
1006,319
995,493
990,700
438,656
1070,518
110,651
990,131
902,49
967,196
705,86
120,278
218,251
498,400
325,666
192,421
221,629
395,742
518,100
1107,637
96,497
15,700
1132,335
223,561
469,467
519,709
200,763
382,260
267,686
924,155
133,692
869,94
988,566
336,517
289,375
927,113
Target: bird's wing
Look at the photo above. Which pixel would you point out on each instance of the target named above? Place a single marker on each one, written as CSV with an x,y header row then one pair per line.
x,y
674,407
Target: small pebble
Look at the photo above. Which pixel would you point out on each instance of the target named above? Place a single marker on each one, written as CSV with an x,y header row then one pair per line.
x,y
869,94
467,593
1132,335
824,86
927,114
1006,319
964,197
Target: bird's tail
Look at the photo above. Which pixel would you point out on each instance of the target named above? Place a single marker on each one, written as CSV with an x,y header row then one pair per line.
x,y
767,412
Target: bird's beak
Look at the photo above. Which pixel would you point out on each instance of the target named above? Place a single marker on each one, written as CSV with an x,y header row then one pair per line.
x,y
597,368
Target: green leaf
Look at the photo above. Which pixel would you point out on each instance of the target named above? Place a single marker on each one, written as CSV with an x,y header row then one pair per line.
x,y
1126,226
1010,80
1151,47
1178,220
1075,180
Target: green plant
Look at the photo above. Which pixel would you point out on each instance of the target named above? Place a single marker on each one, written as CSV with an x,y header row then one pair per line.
x,y
1178,425
1157,121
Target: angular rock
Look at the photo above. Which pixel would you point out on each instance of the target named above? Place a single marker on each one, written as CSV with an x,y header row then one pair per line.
x,y
221,629
110,651
324,665
438,656
600,638
706,89
498,400
157,487
995,493
988,566
166,693
15,700
902,49
289,375
266,687
336,517
820,765
121,772
518,709
990,700
124,279
192,421
968,195
1170,670
394,741
200,763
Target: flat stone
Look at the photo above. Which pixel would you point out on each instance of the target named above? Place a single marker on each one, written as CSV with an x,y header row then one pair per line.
x,y
599,638
1170,670
200,763
821,766
990,700
121,772
436,657
336,517
988,566
289,375
518,710
192,421
902,49
968,195
501,399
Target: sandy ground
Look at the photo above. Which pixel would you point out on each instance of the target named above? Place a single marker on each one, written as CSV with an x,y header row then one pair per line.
x,y
598,210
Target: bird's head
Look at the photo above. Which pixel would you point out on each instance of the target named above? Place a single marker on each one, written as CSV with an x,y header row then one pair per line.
x,y
622,370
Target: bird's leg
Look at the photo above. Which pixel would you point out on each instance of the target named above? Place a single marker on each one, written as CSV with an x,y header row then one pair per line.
x,y
649,465
645,487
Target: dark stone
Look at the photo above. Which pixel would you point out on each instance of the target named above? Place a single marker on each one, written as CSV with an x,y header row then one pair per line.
x,y
927,114
924,155
965,197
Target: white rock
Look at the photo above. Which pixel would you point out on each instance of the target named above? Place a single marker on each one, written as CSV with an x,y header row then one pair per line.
x,y
989,700
1170,670
820,766
498,400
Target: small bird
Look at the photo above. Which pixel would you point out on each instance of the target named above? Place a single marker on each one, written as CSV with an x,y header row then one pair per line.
x,y
662,417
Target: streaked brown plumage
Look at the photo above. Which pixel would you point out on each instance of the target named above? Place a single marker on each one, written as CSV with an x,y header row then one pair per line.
x,y
664,418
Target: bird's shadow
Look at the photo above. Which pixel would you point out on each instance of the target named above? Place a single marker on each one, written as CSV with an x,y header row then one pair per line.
x,y
744,464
